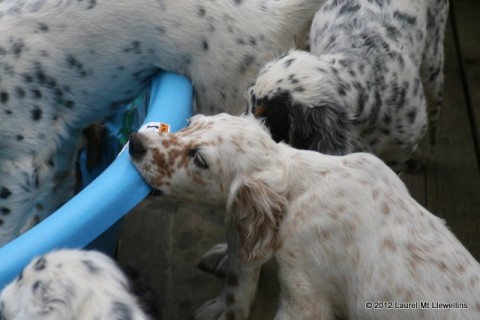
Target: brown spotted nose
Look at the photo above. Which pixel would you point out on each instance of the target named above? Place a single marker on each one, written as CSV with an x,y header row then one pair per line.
x,y
136,146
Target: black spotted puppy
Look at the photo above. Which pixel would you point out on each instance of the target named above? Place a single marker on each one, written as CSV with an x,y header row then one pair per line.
x,y
373,69
67,64
70,285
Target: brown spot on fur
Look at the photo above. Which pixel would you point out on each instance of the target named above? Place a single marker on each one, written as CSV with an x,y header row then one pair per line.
x,y
161,163
198,180
386,209
325,234
474,281
375,193
442,266
389,245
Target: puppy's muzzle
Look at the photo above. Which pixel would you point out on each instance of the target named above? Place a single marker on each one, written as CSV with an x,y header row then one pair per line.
x,y
136,146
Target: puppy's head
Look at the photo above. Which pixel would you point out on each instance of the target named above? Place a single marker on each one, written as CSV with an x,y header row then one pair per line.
x,y
298,96
200,162
63,285
220,160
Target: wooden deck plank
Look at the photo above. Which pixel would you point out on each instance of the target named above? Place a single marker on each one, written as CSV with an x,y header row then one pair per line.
x,y
450,185
466,13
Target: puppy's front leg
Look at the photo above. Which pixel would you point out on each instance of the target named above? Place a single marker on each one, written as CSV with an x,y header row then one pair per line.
x,y
238,293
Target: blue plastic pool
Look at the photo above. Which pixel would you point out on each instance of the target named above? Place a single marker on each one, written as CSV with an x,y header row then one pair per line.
x,y
108,198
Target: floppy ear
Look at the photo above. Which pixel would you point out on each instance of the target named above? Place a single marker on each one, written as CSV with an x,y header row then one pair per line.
x,y
256,211
325,128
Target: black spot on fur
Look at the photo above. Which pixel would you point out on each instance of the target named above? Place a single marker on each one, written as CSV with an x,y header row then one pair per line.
x,y
205,45
5,211
37,113
36,286
4,96
37,94
411,115
162,29
405,18
247,61
68,103
237,2
40,264
27,78
73,63
121,311
20,137
43,27
298,89
18,48
288,62
392,31
349,8
135,47
201,11
1,222
379,3
92,268
91,4
20,92
385,131
5,193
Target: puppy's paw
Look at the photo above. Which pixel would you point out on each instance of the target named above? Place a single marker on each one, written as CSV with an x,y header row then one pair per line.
x,y
215,260
220,309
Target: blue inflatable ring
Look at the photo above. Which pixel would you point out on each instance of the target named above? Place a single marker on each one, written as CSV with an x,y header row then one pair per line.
x,y
108,198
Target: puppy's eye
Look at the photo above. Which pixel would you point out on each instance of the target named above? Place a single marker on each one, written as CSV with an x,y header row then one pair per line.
x,y
198,159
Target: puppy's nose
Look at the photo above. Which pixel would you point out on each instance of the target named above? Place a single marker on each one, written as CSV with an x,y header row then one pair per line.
x,y
136,146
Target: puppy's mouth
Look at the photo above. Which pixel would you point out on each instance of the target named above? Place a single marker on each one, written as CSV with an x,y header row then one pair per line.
x,y
155,193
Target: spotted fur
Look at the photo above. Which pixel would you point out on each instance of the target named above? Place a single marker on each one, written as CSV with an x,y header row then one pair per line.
x,y
65,64
373,69
344,229
68,285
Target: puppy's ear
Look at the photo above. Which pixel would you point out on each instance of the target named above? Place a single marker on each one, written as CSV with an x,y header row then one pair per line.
x,y
327,129
256,210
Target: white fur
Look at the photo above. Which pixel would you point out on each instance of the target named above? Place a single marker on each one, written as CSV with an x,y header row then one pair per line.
x,y
344,229
70,285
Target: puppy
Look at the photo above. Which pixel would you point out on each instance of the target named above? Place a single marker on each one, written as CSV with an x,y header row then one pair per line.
x,y
70,285
373,69
66,64
350,241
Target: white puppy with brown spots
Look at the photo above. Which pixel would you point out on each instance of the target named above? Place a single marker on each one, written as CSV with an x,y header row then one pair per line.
x,y
70,285
344,229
